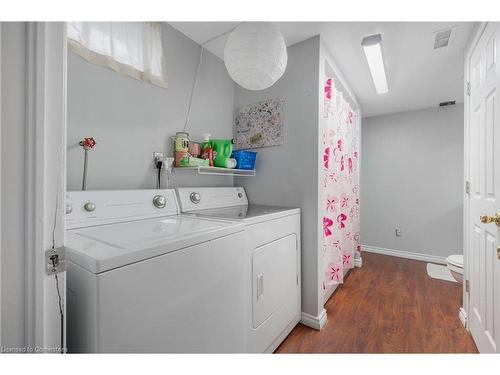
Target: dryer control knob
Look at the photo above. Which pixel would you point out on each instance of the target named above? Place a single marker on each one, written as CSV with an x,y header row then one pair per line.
x,y
89,206
159,201
195,198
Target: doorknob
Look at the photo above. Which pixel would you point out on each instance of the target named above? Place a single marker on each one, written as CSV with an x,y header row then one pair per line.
x,y
498,252
490,219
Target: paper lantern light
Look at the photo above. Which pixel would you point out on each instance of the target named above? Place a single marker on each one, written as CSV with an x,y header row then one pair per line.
x,y
255,55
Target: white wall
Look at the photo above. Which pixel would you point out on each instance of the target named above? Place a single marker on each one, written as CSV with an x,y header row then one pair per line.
x,y
412,178
13,135
131,119
287,175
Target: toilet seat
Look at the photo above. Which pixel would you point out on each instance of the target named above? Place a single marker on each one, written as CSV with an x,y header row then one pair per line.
x,y
456,263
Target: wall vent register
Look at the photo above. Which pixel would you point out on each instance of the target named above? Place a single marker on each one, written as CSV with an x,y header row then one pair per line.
x,y
443,38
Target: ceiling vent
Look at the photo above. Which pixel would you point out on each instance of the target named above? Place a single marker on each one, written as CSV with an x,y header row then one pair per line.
x,y
446,104
443,38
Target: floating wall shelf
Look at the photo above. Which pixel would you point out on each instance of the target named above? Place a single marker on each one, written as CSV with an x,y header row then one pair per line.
x,y
216,171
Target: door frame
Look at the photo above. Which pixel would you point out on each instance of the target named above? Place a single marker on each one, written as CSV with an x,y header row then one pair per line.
x,y
44,183
45,180
1,184
473,41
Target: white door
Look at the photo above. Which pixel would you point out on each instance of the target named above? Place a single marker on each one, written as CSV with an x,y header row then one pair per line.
x,y
484,164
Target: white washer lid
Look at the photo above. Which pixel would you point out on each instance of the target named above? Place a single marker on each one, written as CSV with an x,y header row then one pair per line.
x,y
102,248
456,260
250,214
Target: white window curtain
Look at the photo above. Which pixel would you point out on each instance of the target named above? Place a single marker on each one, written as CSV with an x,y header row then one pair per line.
x,y
131,48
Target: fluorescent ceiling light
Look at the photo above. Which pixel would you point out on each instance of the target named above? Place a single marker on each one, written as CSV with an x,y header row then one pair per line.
x,y
372,45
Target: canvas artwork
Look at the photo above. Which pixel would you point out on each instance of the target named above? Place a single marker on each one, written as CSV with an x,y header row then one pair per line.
x,y
259,125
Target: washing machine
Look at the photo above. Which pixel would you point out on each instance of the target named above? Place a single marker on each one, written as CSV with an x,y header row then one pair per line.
x,y
272,259
144,279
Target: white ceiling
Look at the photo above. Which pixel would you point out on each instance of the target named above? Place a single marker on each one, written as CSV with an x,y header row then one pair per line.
x,y
418,76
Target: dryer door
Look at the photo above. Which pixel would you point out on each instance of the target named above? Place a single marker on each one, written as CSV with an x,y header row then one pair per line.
x,y
275,277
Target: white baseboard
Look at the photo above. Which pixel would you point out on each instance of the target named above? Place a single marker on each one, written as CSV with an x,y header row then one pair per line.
x,y
358,262
404,254
315,322
462,314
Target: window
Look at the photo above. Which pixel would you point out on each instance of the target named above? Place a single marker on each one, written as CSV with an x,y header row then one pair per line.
x,y
131,48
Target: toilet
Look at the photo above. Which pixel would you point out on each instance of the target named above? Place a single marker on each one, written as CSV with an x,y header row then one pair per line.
x,y
455,263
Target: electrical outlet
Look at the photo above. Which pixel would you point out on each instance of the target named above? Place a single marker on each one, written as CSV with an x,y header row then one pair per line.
x,y
55,260
399,233
158,156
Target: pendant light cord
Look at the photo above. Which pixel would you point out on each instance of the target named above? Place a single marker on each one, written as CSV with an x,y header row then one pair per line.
x,y
197,74
193,88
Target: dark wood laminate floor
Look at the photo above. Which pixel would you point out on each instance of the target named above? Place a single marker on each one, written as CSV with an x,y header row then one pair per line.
x,y
389,305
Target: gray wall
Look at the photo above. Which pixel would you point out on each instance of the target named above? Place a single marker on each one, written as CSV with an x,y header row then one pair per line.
x,y
130,119
288,174
412,178
12,137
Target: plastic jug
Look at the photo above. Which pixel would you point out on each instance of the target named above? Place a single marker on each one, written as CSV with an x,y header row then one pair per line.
x,y
222,149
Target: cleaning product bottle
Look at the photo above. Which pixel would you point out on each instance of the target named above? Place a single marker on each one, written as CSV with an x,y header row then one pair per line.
x,y
207,151
222,151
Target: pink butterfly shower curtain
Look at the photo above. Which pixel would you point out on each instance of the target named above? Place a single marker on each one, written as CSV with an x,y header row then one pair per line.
x,y
340,193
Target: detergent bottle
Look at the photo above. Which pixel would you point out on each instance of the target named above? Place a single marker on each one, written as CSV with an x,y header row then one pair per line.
x,y
222,151
207,151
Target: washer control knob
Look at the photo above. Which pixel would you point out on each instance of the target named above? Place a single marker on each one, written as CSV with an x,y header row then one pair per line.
x,y
240,195
89,206
195,198
159,201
